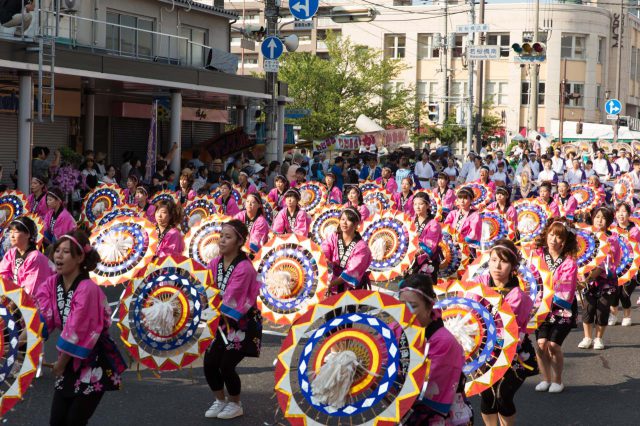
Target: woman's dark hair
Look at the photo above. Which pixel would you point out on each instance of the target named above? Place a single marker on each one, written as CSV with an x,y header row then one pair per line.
x,y
239,227
421,195
56,193
352,215
189,177
504,190
273,166
143,189
25,224
625,206
420,282
565,183
465,192
227,184
91,256
606,212
563,229
259,201
109,167
507,251
545,185
175,212
356,188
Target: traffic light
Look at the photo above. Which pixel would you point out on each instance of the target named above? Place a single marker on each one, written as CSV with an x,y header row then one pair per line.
x,y
530,52
434,112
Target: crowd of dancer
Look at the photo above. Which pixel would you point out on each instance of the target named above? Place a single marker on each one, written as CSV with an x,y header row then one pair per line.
x,y
70,301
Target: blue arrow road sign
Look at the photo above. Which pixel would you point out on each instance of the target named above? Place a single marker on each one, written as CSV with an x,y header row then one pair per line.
x,y
613,106
272,48
303,9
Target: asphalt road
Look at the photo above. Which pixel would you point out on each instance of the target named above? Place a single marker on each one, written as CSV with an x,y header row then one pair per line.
x,y
602,388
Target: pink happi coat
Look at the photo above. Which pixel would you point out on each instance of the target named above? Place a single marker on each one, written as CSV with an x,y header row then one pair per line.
x,y
407,206
568,208
88,317
334,195
362,209
553,206
519,302
355,266
149,213
35,269
447,200
172,243
300,227
390,185
277,199
241,291
430,237
64,224
510,215
230,208
258,231
40,207
470,230
565,282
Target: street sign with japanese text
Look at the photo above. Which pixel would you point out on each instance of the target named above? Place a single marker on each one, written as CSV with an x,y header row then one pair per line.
x,y
472,28
271,65
481,53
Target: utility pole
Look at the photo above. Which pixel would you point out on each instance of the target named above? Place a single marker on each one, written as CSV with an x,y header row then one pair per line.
x,y
535,69
472,18
480,85
563,96
616,125
271,12
443,105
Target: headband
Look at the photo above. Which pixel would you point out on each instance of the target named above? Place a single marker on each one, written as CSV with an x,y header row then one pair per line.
x,y
54,195
502,246
86,249
19,222
353,210
143,189
503,190
566,226
243,173
281,177
293,191
465,191
39,180
430,299
235,230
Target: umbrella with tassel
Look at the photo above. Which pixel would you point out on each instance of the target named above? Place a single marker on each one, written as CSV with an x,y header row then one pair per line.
x,y
629,264
12,204
313,196
378,200
166,195
127,210
533,216
98,201
455,257
201,242
21,344
169,313
125,245
325,222
198,210
355,358
294,275
593,249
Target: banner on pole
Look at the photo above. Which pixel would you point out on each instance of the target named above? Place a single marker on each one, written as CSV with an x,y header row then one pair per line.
x,y
152,144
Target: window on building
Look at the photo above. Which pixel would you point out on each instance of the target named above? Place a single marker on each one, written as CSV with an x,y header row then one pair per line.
x,y
497,92
458,48
135,40
458,91
576,88
235,41
426,91
427,48
573,46
193,52
598,95
502,40
602,50
524,93
394,46
634,63
528,36
394,86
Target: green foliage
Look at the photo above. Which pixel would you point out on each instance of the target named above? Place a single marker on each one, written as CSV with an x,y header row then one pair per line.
x,y
449,133
351,81
69,156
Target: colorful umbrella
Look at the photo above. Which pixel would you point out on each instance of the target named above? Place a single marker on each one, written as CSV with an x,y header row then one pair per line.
x,y
533,216
269,207
165,195
393,241
169,314
201,242
593,248
100,200
234,193
325,222
379,201
242,193
587,196
534,277
122,211
436,203
454,256
482,194
20,343
623,189
369,185
630,259
126,245
313,196
294,275
378,333
494,227
197,210
12,204
484,326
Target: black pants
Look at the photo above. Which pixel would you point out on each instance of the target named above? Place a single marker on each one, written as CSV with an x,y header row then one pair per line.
x,y
623,295
597,309
220,368
74,411
498,399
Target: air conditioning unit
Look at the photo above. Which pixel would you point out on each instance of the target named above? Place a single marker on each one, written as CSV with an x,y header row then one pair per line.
x,y
219,60
70,6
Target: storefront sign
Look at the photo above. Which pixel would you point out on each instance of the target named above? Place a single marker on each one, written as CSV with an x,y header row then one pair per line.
x,y
9,102
389,139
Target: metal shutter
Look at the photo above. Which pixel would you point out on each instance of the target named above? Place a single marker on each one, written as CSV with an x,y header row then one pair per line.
x,y
128,134
53,135
8,146
196,132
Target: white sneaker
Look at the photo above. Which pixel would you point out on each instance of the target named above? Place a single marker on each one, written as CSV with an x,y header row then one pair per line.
x,y
626,322
598,344
543,386
215,409
585,343
613,319
231,410
556,388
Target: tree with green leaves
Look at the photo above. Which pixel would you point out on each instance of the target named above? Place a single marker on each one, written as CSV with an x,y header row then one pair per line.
x,y
352,80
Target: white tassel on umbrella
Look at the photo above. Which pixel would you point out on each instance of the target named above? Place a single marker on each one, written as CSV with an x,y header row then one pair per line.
x,y
159,315
98,209
115,247
195,220
335,378
373,208
279,284
463,330
328,230
306,198
3,216
210,251
379,249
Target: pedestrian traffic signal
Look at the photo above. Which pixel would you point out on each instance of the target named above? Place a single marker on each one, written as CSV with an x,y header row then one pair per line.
x,y
530,52
434,112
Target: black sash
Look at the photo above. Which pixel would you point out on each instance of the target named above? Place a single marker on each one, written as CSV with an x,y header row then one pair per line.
x,y
36,202
291,220
345,253
19,261
63,298
222,276
553,265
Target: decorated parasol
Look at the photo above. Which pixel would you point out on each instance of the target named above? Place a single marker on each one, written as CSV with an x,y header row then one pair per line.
x,y
494,227
325,222
533,216
313,196
593,248
5,242
100,200
198,209
169,314
630,255
234,193
436,203
294,275
623,189
393,241
587,196
20,343
369,342
201,242
126,245
269,208
12,204
378,200
482,194
121,211
369,185
534,278
454,256
165,195
484,326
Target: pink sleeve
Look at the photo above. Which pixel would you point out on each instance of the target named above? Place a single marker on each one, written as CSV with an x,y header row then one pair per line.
x,y
430,237
570,208
521,306
191,195
512,216
492,185
408,207
232,207
357,264
279,222
335,196
449,201
451,217
364,212
392,186
172,244
150,214
474,229
45,297
252,189
635,233
6,264
555,211
241,292
303,221
273,196
395,197
42,209
447,359
259,234
64,224
565,282
34,271
328,246
615,254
